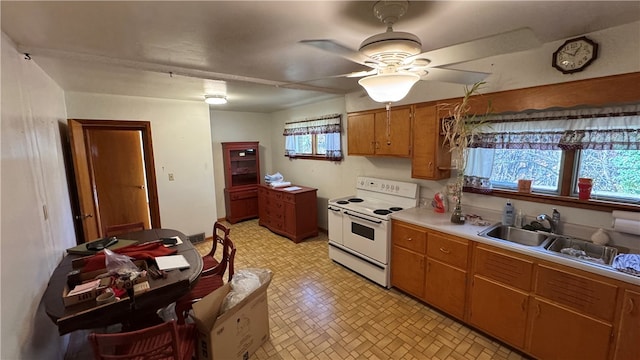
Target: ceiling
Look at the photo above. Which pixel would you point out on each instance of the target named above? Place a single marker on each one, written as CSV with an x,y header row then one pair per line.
x,y
182,50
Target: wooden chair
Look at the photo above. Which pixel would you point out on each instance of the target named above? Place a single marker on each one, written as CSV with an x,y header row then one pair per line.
x,y
165,341
220,233
209,281
115,230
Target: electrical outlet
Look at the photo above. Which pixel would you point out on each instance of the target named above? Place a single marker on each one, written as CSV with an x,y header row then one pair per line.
x,y
171,177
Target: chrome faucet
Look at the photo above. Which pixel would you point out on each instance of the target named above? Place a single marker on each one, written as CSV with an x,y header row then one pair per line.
x,y
552,224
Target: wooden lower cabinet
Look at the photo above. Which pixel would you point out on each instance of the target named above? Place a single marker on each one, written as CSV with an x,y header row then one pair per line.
x,y
241,204
544,309
407,272
292,214
499,310
556,332
628,334
445,287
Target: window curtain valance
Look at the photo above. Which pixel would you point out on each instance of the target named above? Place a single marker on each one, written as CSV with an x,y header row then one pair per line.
x,y
326,124
612,128
329,125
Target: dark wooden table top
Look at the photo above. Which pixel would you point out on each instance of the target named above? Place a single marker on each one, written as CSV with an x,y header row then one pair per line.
x,y
162,292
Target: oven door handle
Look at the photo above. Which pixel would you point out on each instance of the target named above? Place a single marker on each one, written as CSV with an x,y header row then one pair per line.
x,y
363,218
334,210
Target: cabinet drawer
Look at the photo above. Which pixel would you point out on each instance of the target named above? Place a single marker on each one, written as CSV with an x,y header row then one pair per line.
x,y
409,237
238,195
447,250
289,198
507,269
586,295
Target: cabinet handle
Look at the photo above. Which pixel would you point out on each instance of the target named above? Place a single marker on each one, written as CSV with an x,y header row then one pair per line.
x,y
409,239
537,310
446,251
430,165
630,306
523,304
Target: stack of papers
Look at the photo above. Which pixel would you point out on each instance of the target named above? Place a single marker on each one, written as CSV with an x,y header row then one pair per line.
x,y
280,183
171,262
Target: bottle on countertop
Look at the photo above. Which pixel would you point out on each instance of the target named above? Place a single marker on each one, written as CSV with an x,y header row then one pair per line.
x,y
508,214
521,219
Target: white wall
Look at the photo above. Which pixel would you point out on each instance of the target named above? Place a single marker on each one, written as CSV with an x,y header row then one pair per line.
x,y
181,146
228,126
32,245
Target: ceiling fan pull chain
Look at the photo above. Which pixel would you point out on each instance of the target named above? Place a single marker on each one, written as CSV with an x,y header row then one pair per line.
x,y
388,123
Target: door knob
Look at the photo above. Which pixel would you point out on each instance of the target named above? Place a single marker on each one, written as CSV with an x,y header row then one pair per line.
x,y
84,216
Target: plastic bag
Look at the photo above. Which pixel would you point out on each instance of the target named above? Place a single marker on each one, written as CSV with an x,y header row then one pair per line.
x,y
118,263
243,283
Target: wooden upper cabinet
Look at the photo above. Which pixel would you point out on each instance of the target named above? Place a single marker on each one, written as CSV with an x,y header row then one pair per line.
x,y
376,134
430,160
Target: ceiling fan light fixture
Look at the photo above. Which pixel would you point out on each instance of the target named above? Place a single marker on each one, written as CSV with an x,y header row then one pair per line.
x,y
215,99
389,87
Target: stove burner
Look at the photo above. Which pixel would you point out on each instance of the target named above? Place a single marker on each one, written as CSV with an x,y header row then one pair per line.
x,y
355,200
395,208
382,212
342,202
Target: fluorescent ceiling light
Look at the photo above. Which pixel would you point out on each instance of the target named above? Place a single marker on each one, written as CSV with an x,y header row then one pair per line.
x,y
215,99
389,87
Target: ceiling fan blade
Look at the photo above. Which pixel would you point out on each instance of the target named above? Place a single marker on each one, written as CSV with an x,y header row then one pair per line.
x,y
360,73
343,51
454,76
505,43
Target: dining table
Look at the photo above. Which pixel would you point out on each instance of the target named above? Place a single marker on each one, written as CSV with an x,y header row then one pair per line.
x,y
132,312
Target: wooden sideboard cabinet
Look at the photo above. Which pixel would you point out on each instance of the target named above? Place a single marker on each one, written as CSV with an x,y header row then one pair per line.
x,y
293,214
241,179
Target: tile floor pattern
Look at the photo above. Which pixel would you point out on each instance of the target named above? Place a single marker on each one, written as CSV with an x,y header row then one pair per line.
x,y
321,310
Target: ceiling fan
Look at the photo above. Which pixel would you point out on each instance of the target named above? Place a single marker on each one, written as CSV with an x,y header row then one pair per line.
x,y
397,61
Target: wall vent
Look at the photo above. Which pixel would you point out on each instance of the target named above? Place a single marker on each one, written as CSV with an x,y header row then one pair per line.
x,y
196,238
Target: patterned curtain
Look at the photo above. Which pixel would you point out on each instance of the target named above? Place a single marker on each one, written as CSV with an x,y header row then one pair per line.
x,y
613,128
330,125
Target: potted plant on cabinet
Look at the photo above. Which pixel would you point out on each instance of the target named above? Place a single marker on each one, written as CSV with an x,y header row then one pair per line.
x,y
458,129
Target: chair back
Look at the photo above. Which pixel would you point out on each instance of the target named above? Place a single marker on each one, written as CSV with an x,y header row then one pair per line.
x,y
164,341
211,260
115,230
226,260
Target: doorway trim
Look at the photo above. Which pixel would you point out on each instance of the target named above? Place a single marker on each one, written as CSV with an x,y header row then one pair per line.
x,y
149,165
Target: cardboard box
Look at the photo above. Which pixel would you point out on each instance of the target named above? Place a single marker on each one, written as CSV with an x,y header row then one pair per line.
x,y
238,332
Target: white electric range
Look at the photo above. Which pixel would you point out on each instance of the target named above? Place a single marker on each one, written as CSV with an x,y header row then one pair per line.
x,y
359,227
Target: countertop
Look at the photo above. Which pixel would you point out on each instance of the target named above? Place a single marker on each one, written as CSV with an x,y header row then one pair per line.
x,y
427,218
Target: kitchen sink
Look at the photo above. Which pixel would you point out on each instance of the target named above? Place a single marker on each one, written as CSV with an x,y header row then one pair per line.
x,y
583,250
513,234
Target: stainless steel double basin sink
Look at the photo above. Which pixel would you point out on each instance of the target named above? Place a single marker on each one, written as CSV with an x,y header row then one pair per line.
x,y
560,245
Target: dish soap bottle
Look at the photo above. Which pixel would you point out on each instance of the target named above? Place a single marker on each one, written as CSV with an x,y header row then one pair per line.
x,y
508,214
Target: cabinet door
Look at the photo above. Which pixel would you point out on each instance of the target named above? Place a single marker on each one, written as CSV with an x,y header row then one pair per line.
x,y
559,333
445,287
407,271
361,134
393,132
430,159
628,342
499,310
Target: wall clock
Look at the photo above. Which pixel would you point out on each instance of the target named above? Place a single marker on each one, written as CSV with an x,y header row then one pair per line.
x,y
575,55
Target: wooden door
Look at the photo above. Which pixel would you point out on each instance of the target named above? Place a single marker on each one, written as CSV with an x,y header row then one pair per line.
x,y
628,346
393,132
445,287
499,310
430,158
360,134
115,177
407,271
560,333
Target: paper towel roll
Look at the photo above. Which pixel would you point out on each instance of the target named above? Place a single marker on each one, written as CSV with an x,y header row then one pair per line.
x,y
626,226
629,215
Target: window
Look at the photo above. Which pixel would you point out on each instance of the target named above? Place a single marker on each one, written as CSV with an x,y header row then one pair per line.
x,y
548,147
315,138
